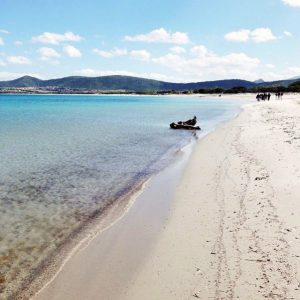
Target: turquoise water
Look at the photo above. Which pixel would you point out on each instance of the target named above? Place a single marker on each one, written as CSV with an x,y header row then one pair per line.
x,y
64,158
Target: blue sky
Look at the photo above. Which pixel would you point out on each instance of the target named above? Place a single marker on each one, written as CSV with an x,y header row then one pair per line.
x,y
174,40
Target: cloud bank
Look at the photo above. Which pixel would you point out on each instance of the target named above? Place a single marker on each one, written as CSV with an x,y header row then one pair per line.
x,y
160,35
293,3
258,35
71,51
56,38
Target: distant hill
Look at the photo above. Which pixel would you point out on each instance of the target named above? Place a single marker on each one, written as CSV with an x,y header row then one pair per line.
x,y
136,84
118,82
284,83
24,81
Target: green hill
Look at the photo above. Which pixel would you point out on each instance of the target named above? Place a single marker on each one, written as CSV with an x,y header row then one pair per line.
x,y
126,83
136,84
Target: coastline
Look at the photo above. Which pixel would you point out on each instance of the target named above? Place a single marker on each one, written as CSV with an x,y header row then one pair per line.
x,y
149,215
103,221
142,193
68,246
239,234
233,231
150,150
79,238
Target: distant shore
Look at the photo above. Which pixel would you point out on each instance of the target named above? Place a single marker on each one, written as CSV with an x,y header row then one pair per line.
x,y
127,93
113,84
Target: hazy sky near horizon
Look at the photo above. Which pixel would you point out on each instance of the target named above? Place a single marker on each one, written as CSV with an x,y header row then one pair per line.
x,y
173,40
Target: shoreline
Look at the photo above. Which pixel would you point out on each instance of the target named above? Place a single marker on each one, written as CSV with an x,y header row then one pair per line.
x,y
239,234
225,96
96,225
247,95
154,185
139,193
65,249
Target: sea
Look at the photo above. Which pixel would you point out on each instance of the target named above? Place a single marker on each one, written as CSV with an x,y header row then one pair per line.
x,y
65,158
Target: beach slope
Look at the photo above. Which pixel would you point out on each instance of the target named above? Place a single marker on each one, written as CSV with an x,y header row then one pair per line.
x,y
234,230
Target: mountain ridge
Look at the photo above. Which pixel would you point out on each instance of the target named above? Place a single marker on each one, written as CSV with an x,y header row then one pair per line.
x,y
132,84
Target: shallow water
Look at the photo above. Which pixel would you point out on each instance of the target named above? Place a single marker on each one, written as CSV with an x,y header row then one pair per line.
x,y
64,158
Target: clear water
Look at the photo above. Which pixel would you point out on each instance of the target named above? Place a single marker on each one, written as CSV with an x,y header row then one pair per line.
x,y
64,158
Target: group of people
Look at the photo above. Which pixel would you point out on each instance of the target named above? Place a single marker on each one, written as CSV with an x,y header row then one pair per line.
x,y
267,96
263,97
279,95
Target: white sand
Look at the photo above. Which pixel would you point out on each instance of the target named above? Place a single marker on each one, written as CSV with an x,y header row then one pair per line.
x,y
233,231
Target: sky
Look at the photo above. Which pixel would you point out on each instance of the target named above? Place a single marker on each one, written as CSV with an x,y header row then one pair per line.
x,y
170,40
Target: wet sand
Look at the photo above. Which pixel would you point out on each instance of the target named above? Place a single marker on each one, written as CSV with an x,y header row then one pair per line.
x,y
231,232
104,266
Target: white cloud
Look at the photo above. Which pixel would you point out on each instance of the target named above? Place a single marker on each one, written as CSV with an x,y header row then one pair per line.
x,y
110,54
1,41
18,60
199,51
4,31
102,53
258,35
160,35
262,35
172,61
242,35
203,63
94,72
293,3
287,33
18,43
56,38
117,52
294,71
270,66
47,53
177,50
140,55
2,63
72,51
290,72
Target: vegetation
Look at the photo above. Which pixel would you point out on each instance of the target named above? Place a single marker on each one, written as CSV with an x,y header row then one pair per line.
x,y
127,84
295,87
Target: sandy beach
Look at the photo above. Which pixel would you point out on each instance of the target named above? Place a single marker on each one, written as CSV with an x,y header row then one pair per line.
x,y
232,230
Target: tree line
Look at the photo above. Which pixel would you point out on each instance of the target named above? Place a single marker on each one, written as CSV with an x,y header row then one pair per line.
x,y
292,88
